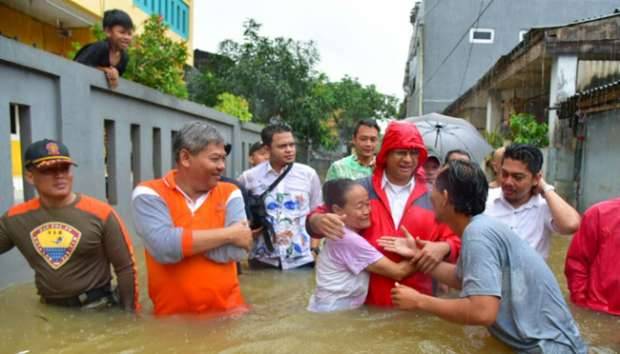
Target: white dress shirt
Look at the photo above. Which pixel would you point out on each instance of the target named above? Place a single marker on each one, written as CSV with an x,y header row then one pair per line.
x,y
397,197
532,221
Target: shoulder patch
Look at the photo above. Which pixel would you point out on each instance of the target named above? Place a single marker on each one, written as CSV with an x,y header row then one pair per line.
x,y
94,206
23,208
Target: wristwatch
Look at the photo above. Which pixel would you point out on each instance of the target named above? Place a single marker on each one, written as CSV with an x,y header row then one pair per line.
x,y
316,250
548,188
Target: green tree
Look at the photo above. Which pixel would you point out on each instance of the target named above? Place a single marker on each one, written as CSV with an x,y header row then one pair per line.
x,y
234,105
526,130
156,60
96,31
354,101
279,79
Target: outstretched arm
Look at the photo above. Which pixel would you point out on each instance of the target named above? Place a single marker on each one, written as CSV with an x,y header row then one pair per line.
x,y
387,268
472,310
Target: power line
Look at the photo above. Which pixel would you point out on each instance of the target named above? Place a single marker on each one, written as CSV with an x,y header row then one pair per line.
x,y
471,47
458,42
432,8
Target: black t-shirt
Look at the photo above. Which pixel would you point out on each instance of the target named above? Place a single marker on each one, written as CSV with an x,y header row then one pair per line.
x,y
98,54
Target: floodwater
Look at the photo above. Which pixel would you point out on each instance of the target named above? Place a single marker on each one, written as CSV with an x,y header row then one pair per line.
x,y
278,323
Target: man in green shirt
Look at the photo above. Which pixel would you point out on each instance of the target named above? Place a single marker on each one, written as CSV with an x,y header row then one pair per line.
x,y
361,162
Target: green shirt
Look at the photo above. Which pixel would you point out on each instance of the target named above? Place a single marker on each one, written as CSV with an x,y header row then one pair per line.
x,y
348,167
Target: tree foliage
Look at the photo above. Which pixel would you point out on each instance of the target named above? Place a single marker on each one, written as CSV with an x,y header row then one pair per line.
x,y
279,79
234,105
156,60
526,130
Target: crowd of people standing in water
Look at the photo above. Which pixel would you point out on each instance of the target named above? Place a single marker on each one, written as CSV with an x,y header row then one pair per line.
x,y
398,228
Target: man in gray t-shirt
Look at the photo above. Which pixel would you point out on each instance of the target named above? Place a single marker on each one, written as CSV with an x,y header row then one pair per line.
x,y
505,285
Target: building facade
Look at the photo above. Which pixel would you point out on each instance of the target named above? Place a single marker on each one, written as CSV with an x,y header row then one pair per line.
x,y
455,42
54,25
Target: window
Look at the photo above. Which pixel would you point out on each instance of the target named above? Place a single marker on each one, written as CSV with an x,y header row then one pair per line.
x,y
522,34
481,35
174,12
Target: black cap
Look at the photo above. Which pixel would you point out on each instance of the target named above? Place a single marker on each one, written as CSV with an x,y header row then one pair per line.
x,y
46,152
255,147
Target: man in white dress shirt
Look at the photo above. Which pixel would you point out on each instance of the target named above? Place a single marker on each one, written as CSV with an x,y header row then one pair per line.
x,y
288,204
528,205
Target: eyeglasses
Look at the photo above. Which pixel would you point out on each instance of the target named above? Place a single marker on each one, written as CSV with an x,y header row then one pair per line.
x,y
402,153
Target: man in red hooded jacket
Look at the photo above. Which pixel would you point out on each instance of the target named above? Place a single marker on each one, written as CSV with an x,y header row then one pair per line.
x,y
399,198
592,266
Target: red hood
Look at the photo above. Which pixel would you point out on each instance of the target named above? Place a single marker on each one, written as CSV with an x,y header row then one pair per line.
x,y
401,135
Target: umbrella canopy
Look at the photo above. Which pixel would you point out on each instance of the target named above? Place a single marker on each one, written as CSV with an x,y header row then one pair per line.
x,y
445,133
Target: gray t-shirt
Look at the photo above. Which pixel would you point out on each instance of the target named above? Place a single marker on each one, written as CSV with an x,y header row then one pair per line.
x,y
533,316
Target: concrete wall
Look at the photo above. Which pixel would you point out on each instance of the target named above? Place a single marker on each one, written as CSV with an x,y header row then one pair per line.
x,y
64,100
600,161
446,21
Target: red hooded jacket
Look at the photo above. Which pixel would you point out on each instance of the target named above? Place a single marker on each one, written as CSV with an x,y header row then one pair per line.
x,y
592,268
418,216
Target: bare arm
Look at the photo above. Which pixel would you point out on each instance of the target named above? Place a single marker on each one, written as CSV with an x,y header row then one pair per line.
x,y
472,310
565,218
446,273
387,268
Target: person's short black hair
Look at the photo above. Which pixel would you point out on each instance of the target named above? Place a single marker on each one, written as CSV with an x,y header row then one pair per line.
x,y
255,147
530,155
466,184
117,17
269,131
335,190
368,122
456,151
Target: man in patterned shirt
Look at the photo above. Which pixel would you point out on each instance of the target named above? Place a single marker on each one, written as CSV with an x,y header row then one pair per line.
x,y
287,204
69,239
362,161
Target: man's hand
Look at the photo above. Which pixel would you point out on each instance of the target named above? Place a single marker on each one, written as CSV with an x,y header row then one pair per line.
x,y
429,255
329,225
405,247
406,298
257,232
242,235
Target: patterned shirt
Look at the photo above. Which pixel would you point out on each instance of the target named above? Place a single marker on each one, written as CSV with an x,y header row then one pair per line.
x,y
348,167
287,206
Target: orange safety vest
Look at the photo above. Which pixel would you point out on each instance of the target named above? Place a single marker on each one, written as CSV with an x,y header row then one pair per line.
x,y
195,284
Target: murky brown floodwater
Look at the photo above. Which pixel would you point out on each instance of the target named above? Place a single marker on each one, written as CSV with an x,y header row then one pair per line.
x,y
278,323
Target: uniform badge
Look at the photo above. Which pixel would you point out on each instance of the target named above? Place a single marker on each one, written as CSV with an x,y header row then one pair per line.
x,y
52,148
55,242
